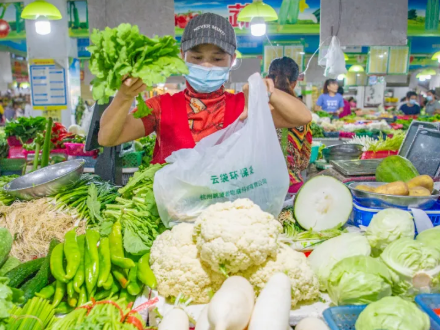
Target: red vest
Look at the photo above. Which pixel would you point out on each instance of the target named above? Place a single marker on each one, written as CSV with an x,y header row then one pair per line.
x,y
175,133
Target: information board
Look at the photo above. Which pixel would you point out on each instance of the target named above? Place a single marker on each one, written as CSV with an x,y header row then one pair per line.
x,y
48,85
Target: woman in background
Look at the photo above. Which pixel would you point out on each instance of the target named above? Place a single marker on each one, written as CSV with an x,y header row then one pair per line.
x,y
295,142
330,101
411,107
347,109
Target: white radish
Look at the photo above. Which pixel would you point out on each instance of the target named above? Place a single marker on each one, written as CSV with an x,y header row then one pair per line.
x,y
231,307
272,309
176,319
311,323
203,322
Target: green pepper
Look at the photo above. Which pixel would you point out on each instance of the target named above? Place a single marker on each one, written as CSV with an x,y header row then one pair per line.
x,y
63,308
103,294
60,291
128,297
70,290
73,300
134,287
115,288
145,274
104,261
72,252
56,263
119,275
82,299
46,292
117,249
91,258
108,284
78,280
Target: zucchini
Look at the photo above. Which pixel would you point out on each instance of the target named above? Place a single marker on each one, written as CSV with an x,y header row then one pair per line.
x,y
10,264
20,273
5,245
39,281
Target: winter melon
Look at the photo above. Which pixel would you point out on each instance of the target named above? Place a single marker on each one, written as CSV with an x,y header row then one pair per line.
x,y
395,168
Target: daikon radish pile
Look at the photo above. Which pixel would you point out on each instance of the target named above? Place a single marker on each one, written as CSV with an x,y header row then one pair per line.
x,y
176,319
202,321
231,307
272,308
311,323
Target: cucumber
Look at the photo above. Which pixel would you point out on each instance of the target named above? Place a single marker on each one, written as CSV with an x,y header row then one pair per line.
x,y
5,245
10,264
40,280
19,274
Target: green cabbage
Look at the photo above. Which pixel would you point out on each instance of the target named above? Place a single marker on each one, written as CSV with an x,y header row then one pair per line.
x,y
387,226
430,237
416,264
359,280
392,313
326,255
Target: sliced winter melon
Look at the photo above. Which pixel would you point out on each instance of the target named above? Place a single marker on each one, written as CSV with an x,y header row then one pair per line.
x,y
323,203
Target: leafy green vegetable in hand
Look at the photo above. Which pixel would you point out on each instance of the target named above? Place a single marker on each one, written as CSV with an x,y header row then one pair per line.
x,y
123,51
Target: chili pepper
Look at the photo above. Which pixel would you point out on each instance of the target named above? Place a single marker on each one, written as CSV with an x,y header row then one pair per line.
x,y
73,254
116,248
63,308
73,301
70,290
82,299
104,261
91,258
103,294
78,280
46,292
128,297
145,274
120,277
134,287
108,284
60,290
115,287
56,263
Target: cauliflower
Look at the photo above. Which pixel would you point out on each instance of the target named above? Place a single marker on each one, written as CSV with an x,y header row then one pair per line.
x,y
305,285
234,236
174,260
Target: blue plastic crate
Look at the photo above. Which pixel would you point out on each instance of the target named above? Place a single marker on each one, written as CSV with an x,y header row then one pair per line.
x,y
343,317
427,303
361,215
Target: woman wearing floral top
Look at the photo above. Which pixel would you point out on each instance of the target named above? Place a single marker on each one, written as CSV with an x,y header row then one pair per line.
x,y
295,142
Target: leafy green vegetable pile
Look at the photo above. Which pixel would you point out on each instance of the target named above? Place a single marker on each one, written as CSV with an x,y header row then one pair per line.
x,y
25,128
317,130
386,143
8,298
137,212
6,199
123,51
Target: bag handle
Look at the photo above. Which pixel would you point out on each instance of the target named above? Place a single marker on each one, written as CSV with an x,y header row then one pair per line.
x,y
258,97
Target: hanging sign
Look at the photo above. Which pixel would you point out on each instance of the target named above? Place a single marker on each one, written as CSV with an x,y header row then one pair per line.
x,y
48,85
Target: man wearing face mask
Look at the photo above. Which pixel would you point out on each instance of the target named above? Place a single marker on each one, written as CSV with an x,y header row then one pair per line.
x,y
432,107
180,121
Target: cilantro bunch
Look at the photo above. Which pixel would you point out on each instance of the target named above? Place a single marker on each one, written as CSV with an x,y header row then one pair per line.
x,y
123,51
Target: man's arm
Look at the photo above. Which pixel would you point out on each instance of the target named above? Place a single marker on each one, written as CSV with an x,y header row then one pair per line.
x,y
117,125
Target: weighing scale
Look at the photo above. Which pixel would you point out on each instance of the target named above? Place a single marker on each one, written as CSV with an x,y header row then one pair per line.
x,y
360,167
109,163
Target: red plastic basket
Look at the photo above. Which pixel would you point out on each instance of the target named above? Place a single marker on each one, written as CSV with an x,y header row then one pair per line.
x,y
379,154
54,151
15,152
14,142
77,149
347,135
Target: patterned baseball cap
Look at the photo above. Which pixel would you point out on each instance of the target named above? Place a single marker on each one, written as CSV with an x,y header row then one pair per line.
x,y
209,29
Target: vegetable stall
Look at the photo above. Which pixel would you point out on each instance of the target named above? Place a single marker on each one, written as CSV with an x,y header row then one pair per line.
x,y
92,255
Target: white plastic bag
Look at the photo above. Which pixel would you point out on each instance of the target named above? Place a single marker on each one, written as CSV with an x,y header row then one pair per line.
x,y
335,61
243,160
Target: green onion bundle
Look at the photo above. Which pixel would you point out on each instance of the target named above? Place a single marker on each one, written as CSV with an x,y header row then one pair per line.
x,y
36,314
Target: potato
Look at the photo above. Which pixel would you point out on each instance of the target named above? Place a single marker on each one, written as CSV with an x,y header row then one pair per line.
x,y
424,181
419,191
398,188
364,187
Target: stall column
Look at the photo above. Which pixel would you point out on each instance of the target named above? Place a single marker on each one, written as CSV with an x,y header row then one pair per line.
x,y
53,67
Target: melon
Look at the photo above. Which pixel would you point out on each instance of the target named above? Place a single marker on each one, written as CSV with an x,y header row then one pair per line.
x,y
323,203
395,168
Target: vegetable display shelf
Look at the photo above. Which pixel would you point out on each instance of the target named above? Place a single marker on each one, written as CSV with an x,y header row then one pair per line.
x,y
379,154
343,317
428,303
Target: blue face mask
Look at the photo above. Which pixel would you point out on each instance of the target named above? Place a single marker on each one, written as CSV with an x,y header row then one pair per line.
x,y
413,101
429,98
206,80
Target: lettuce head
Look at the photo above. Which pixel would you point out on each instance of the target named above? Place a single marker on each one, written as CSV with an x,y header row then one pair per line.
x,y
392,313
430,237
387,226
359,280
